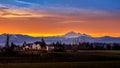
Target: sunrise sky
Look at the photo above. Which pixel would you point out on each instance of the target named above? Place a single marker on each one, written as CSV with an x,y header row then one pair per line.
x,y
57,17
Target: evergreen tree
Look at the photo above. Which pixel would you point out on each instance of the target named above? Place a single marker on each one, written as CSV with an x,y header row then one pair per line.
x,y
12,46
43,43
24,43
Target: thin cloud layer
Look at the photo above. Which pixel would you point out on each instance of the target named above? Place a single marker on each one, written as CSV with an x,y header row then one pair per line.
x,y
32,17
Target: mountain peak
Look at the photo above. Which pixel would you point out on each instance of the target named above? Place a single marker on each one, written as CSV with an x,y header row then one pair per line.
x,y
107,37
75,35
72,35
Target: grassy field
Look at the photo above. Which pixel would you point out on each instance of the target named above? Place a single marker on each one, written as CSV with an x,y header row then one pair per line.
x,y
63,57
81,59
100,64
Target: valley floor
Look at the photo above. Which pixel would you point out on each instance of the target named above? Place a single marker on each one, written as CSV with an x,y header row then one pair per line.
x,y
81,59
96,64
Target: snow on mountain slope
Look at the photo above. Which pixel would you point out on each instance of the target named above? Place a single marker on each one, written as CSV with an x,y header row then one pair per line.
x,y
68,38
74,35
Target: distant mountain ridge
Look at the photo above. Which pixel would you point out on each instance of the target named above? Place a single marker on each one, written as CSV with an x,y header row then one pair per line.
x,y
68,38
74,35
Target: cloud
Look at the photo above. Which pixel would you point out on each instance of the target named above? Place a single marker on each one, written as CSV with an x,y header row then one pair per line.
x,y
74,21
36,10
10,12
7,14
24,2
58,12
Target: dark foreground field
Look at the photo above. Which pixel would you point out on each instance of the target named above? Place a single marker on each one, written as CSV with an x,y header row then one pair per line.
x,y
81,59
98,64
89,55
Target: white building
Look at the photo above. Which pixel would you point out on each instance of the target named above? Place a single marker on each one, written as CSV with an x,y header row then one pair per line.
x,y
36,46
49,48
27,46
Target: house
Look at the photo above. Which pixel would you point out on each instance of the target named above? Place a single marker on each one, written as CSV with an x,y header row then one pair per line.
x,y
32,46
50,48
37,46
27,46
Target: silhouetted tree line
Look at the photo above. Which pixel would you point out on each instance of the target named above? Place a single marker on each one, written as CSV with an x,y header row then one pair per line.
x,y
62,47
86,46
58,47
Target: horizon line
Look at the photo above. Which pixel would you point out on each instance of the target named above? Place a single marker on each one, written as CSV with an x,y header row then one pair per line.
x,y
52,35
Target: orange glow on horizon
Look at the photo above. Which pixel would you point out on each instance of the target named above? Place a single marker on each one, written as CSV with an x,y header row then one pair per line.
x,y
49,35
58,24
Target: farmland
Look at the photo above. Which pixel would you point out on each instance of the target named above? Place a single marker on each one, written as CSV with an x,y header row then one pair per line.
x,y
97,64
83,59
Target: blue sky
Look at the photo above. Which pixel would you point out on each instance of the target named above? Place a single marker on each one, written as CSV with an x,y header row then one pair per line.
x,y
107,5
98,4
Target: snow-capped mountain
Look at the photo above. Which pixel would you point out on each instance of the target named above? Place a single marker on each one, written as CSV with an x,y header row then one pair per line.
x,y
68,38
74,35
